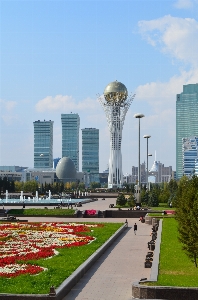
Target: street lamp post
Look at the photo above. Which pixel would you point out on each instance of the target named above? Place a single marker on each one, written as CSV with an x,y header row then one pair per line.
x,y
148,182
147,137
139,116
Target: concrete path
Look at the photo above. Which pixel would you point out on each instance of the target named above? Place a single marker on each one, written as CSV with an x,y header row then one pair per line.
x,y
112,275
123,263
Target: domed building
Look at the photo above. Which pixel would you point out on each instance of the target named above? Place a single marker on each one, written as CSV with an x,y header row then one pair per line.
x,y
65,170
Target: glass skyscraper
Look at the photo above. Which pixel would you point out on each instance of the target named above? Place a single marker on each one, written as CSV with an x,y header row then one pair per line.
x,y
70,137
43,144
186,121
90,153
190,151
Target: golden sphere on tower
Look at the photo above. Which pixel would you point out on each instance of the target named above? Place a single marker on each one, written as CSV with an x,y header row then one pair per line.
x,y
115,93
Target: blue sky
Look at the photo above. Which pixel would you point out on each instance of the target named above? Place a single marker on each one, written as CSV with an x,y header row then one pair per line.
x,y
57,56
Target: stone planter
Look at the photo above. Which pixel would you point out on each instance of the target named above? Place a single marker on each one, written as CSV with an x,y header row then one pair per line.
x,y
152,247
148,264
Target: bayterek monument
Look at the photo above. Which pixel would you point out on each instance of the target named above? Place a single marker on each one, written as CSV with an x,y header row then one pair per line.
x,y
115,103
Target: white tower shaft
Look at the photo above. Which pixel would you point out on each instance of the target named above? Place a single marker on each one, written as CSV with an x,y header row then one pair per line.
x,y
115,114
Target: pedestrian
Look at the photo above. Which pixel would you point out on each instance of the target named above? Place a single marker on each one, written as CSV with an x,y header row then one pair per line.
x,y
135,228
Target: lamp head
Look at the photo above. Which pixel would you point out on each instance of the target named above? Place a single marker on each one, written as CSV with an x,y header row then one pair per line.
x,y
147,136
139,116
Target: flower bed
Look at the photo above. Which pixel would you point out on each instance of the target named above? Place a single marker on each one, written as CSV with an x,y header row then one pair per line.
x,y
169,212
90,212
20,243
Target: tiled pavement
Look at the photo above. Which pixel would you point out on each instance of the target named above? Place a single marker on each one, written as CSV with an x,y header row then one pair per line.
x,y
111,277
123,263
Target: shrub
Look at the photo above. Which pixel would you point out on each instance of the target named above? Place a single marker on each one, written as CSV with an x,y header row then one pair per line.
x,y
121,200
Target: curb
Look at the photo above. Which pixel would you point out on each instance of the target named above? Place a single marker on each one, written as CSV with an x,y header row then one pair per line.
x,y
72,280
140,291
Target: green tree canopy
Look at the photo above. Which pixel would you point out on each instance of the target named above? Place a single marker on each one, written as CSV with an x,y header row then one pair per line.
x,y
186,215
94,185
30,186
121,200
131,200
153,198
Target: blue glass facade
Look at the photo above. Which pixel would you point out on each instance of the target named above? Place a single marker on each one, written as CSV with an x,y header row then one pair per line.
x,y
70,137
43,144
56,160
90,153
190,151
186,121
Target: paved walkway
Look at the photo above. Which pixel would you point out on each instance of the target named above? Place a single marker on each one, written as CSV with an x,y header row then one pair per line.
x,y
112,275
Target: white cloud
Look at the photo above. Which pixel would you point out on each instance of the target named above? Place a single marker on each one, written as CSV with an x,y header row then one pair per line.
x,y
7,105
179,38
10,119
164,93
175,36
61,103
161,117
6,108
183,4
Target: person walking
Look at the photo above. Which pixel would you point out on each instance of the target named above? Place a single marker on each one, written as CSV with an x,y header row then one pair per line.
x,y
135,228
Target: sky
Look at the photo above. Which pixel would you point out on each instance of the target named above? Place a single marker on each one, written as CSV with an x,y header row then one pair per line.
x,y
58,56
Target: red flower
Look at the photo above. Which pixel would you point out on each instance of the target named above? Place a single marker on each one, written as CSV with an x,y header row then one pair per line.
x,y
22,242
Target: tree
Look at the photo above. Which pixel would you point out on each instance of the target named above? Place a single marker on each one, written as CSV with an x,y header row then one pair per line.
x,y
186,215
67,185
18,186
126,185
61,187
144,196
173,189
164,196
12,186
5,184
121,200
30,186
173,186
95,185
74,185
81,186
153,198
131,201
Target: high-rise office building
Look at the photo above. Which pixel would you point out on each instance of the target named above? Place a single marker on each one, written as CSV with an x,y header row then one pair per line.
x,y
134,177
190,155
186,121
70,137
90,153
55,162
43,144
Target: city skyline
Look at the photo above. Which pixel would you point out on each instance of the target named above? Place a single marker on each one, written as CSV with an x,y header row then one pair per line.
x,y
56,56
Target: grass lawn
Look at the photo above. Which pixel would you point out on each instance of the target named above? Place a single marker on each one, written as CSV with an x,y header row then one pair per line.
x,y
41,212
175,269
60,266
159,210
162,206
